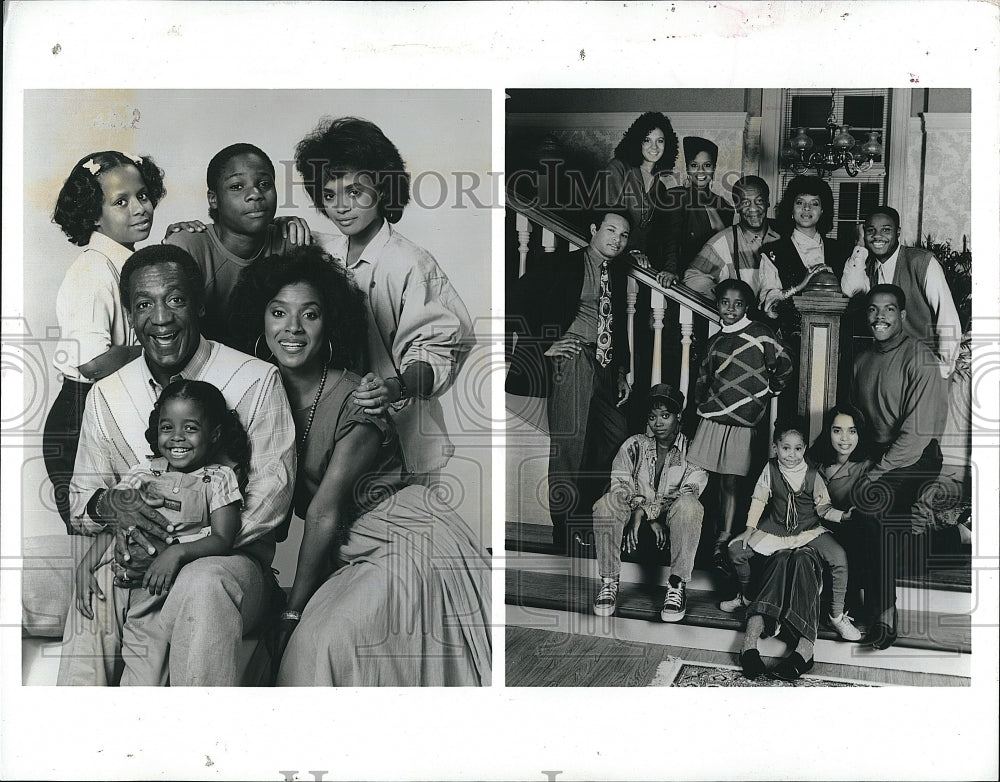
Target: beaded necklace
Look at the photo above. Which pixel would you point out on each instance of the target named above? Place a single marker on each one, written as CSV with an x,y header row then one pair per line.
x,y
312,412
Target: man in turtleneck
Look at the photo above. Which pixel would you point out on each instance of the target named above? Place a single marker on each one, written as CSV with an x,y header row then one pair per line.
x,y
899,388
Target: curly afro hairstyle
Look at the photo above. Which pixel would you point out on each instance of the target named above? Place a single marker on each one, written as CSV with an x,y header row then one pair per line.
x,y
233,442
806,185
821,451
351,145
341,302
78,206
629,149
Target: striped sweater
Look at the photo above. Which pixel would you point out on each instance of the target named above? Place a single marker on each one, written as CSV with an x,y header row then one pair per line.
x,y
744,365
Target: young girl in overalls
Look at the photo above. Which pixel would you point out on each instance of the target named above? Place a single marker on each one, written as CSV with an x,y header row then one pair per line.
x,y
198,469
105,206
789,505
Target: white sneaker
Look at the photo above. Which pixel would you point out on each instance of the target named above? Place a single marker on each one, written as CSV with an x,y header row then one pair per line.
x,y
738,603
607,598
845,627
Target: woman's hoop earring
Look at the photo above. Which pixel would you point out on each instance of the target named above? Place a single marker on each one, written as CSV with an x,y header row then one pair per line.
x,y
329,344
256,348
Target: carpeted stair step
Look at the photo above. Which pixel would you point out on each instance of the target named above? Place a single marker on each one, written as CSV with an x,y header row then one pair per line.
x,y
950,633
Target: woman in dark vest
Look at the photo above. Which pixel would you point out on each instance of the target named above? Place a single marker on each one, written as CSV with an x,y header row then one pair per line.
x,y
787,266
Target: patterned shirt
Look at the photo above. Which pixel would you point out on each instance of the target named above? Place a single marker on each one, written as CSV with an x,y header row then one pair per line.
x,y
633,475
714,262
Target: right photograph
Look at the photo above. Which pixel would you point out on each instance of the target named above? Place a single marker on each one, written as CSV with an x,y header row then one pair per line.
x,y
738,387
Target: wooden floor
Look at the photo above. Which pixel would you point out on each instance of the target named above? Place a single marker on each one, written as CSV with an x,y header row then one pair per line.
x,y
540,658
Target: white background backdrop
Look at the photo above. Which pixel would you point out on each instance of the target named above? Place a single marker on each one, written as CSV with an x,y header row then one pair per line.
x,y
444,137
504,734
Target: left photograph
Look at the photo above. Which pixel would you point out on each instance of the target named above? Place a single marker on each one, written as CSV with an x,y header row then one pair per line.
x,y
255,433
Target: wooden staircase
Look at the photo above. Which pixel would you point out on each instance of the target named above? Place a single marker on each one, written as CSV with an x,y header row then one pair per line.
x,y
553,592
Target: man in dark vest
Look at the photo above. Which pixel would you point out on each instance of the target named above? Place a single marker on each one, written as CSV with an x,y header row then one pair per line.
x,y
931,315
567,340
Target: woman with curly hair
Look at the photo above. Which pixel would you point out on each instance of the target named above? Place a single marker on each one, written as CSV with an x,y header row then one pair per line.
x,y
648,149
390,587
419,331
105,206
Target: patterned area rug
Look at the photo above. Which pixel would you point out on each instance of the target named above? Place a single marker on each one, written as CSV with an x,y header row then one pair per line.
x,y
675,672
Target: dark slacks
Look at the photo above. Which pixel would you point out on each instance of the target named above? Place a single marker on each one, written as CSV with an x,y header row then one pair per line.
x,y
59,441
789,591
885,522
586,428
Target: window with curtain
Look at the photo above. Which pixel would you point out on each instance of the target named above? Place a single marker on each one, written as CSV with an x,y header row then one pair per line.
x,y
864,111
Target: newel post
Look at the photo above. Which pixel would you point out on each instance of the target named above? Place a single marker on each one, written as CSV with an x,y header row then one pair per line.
x,y
821,306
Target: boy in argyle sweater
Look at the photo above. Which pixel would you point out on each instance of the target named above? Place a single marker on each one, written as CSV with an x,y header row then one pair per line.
x,y
744,366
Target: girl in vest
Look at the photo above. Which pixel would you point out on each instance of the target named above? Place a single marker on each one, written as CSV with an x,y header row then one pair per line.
x,y
105,206
789,504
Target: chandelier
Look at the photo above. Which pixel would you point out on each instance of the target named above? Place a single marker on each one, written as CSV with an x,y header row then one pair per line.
x,y
801,152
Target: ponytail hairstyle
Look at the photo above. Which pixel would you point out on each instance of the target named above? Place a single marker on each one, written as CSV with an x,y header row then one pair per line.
x,y
232,445
78,206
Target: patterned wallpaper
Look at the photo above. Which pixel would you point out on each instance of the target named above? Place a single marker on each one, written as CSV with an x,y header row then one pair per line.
x,y
589,144
947,182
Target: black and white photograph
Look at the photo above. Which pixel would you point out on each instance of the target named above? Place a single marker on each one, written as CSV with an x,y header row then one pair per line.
x,y
527,389
738,339
262,454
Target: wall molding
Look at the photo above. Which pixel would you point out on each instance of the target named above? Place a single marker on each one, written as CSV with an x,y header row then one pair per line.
x,y
960,122
620,120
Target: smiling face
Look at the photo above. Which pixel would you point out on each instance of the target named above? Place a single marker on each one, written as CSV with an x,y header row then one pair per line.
x,y
662,423
244,197
885,318
752,206
293,326
352,202
165,314
611,238
732,307
791,449
881,235
843,436
806,211
652,146
184,435
701,170
127,210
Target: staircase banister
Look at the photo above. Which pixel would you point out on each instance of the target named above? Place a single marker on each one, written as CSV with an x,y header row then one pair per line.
x,y
694,301
566,230
542,217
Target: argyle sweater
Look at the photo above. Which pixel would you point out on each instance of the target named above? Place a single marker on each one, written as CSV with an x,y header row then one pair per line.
x,y
744,365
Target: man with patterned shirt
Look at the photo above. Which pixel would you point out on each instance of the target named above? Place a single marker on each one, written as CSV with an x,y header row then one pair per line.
x,y
734,252
214,601
567,340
